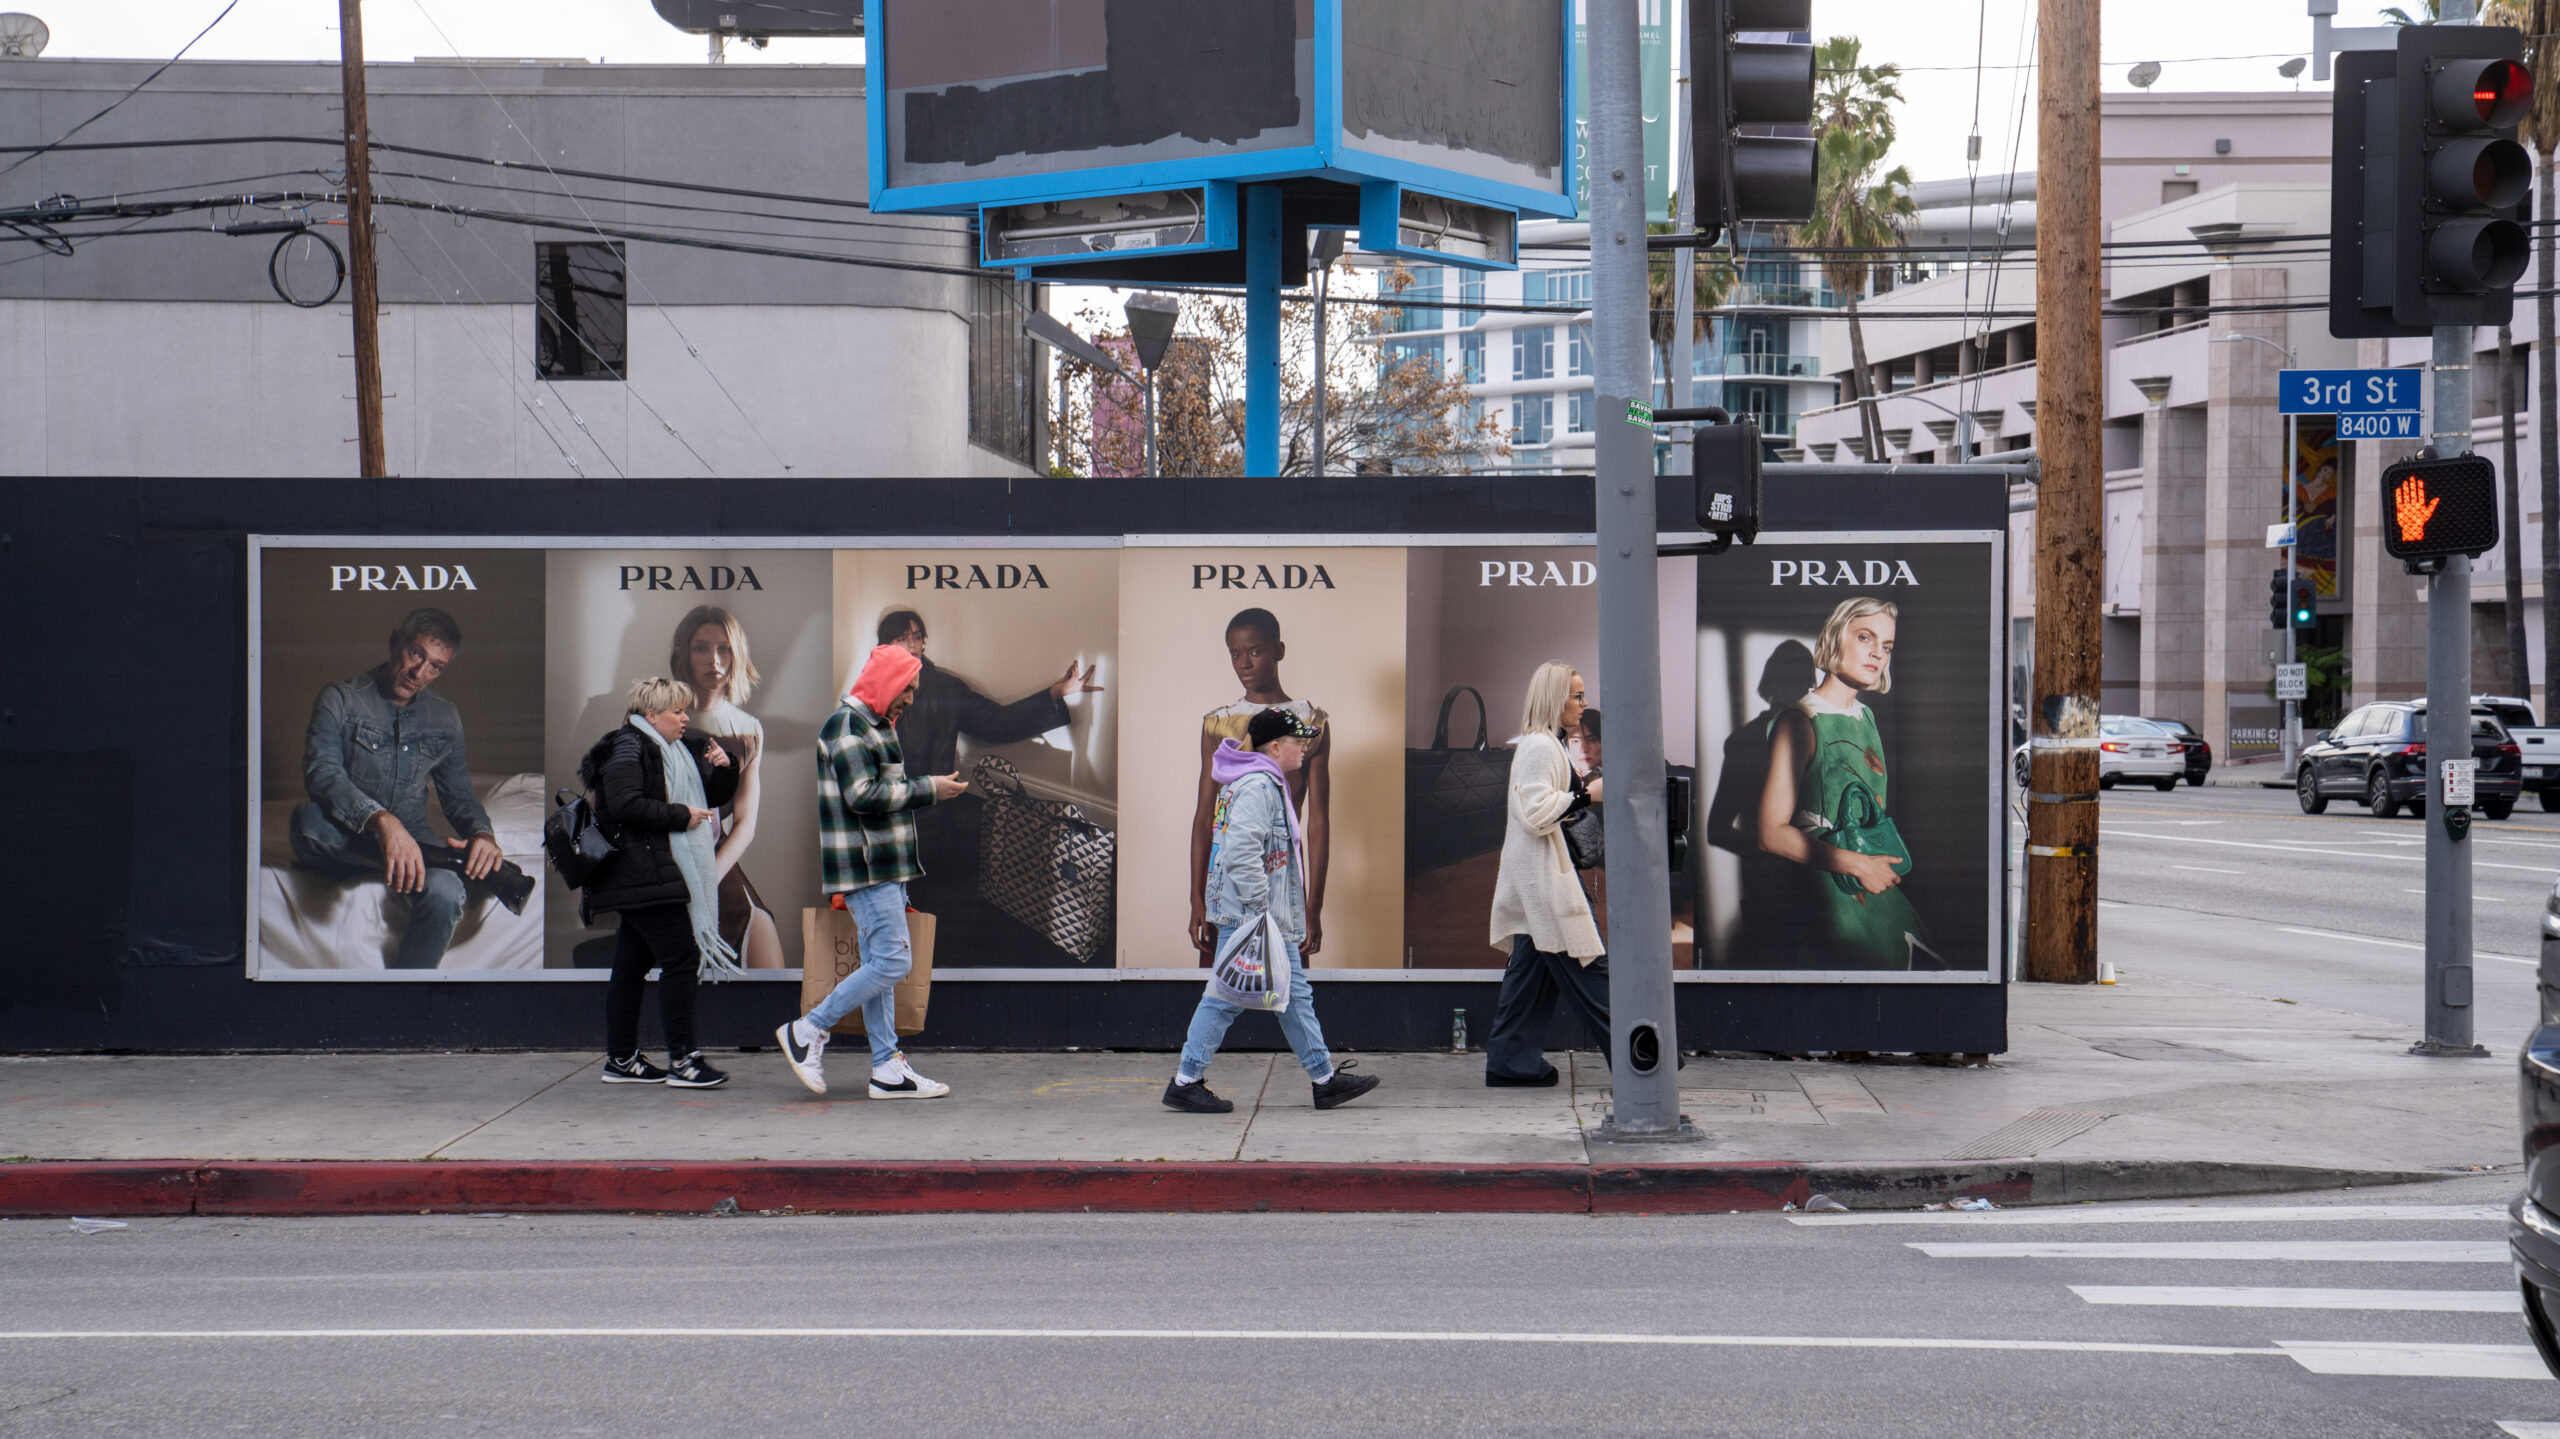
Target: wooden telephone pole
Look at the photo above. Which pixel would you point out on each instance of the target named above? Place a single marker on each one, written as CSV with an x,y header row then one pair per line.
x,y
360,239
2070,560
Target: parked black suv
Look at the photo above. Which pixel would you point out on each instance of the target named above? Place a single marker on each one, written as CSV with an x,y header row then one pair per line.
x,y
2379,755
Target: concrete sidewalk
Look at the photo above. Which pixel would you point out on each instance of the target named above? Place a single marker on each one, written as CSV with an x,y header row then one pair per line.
x,y
2147,1088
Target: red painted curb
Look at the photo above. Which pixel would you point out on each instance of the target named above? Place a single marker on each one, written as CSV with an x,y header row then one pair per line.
x,y
98,1189
891,1188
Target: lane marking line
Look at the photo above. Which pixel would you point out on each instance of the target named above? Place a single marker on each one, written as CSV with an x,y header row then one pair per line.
x,y
2173,1214
2475,899
2105,831
2423,1301
2202,869
2240,1251
2396,943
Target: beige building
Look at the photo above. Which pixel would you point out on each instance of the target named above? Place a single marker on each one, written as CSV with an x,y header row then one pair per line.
x,y
2217,209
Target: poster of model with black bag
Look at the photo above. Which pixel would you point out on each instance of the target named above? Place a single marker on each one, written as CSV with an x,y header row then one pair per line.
x,y
1849,740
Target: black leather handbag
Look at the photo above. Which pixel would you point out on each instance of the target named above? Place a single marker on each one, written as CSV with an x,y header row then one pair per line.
x,y
576,844
1586,838
1455,800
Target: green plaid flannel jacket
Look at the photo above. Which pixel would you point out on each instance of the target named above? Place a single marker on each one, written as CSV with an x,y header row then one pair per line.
x,y
866,803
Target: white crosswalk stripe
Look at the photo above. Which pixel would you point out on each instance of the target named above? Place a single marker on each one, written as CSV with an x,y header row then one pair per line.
x,y
2417,1361
2427,1301
2165,1214
2529,1428
2368,1251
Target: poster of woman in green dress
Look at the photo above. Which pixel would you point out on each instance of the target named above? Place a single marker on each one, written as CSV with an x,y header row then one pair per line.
x,y
1848,718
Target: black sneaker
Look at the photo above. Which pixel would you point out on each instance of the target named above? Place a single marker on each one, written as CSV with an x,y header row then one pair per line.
x,y
1195,1098
632,1069
1344,1087
690,1072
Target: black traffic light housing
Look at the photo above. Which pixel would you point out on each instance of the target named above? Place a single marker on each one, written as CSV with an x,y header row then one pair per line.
x,y
2302,609
2279,601
2427,182
1757,87
2432,508
1725,459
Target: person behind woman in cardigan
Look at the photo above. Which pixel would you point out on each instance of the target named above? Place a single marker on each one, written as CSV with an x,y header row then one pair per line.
x,y
658,793
1540,911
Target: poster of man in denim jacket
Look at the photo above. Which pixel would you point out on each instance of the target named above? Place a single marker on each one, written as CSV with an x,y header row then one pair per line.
x,y
378,743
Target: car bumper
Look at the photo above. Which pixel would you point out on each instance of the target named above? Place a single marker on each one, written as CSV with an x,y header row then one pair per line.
x,y
2138,767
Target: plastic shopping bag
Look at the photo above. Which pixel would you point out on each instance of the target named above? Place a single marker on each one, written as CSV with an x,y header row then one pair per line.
x,y
1252,968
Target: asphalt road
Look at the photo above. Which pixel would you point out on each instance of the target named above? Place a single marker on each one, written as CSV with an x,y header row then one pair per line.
x,y
1282,1325
2239,887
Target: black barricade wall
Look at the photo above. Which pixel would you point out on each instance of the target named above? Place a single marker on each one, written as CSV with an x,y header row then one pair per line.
x,y
123,753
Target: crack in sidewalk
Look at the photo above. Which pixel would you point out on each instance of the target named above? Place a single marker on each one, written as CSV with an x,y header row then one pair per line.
x,y
574,1072
1261,1090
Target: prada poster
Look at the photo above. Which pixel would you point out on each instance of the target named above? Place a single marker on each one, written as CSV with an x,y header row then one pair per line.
x,y
420,706
1848,736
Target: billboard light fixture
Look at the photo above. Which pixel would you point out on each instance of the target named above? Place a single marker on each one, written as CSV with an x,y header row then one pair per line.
x,y
1153,222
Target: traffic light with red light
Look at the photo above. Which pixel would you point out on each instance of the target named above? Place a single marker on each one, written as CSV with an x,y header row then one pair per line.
x,y
2427,182
2435,508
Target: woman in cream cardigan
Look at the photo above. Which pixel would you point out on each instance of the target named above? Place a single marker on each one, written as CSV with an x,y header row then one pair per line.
x,y
1540,912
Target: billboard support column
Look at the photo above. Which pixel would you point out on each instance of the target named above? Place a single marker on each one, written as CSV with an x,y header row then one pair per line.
x,y
1644,1040
1262,330
2070,560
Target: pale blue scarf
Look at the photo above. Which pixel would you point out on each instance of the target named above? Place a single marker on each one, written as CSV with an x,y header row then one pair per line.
x,y
697,856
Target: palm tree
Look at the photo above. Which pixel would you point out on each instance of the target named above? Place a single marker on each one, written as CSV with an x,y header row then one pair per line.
x,y
1850,95
1855,210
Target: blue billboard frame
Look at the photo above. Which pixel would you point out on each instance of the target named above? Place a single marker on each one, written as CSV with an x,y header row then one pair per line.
x,y
1331,157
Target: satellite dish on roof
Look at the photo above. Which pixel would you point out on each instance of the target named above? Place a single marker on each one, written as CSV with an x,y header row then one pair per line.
x,y
2144,75
2292,67
22,37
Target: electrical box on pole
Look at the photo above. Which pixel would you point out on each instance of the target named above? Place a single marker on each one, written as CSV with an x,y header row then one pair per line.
x,y
2427,182
1725,458
1751,112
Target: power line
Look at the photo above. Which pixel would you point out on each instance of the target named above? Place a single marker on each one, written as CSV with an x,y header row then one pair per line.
x,y
138,85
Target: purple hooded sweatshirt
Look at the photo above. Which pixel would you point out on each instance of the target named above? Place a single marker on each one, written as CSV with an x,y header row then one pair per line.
x,y
1258,859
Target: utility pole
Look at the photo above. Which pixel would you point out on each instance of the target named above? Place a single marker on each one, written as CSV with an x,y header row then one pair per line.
x,y
360,241
1644,1038
2062,786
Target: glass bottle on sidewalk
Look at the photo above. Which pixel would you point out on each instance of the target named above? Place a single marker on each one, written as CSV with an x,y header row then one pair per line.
x,y
1457,1031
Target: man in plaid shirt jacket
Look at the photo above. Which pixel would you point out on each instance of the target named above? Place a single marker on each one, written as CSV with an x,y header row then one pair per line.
x,y
866,855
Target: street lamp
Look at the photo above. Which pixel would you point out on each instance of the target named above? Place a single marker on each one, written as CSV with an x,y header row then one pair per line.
x,y
1151,322
2293,535
1328,249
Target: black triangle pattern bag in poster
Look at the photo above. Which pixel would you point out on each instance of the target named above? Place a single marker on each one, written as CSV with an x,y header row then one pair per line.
x,y
1042,863
1454,799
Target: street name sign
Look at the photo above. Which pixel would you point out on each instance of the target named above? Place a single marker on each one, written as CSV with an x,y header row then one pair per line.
x,y
2348,392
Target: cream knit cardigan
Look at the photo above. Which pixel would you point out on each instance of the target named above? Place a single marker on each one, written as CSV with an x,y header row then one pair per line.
x,y
1537,893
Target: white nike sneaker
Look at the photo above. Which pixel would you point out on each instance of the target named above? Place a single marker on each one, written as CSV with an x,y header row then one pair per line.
x,y
808,1058
898,1080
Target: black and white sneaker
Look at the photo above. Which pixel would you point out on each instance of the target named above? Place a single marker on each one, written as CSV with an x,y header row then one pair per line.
x,y
691,1072
807,1057
632,1069
898,1080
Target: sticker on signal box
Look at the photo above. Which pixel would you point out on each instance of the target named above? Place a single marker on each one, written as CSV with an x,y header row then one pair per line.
x,y
2458,777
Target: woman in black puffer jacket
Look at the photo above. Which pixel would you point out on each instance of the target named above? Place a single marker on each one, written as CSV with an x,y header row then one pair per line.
x,y
645,884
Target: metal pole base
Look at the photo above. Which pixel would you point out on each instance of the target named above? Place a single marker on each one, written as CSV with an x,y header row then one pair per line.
x,y
2438,1049
1610,1133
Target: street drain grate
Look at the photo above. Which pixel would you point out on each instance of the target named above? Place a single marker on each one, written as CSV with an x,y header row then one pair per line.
x,y
2031,1133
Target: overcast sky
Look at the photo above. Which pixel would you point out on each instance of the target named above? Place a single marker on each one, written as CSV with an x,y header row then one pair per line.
x,y
2201,44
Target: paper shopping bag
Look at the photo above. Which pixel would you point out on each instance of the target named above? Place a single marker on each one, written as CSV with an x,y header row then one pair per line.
x,y
831,949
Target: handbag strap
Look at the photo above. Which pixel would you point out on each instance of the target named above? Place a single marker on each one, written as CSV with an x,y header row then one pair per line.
x,y
1440,733
997,773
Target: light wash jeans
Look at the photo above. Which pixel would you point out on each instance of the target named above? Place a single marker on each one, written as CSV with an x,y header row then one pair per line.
x,y
880,925
1297,1023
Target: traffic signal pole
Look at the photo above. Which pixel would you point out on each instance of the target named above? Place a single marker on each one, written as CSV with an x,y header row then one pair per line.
x,y
2448,1007
1644,1037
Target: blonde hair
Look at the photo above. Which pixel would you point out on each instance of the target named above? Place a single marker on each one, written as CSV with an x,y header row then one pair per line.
x,y
1550,690
1826,650
743,678
657,695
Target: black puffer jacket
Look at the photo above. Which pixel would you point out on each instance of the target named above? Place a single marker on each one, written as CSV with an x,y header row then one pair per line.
x,y
623,772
